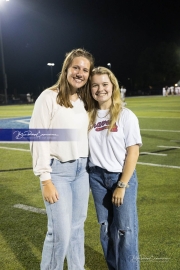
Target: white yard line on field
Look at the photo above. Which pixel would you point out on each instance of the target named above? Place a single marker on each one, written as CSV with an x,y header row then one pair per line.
x,y
158,165
165,146
174,141
157,117
18,149
30,208
168,111
163,130
10,142
141,163
153,154
14,118
23,121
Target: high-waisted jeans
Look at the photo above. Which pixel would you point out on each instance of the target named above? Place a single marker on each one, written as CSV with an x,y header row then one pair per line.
x,y
66,217
119,225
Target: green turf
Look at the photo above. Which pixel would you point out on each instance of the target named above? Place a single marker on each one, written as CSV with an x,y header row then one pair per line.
x,y
22,232
15,110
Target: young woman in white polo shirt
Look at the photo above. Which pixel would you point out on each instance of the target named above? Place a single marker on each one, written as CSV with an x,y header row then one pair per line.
x,y
61,165
114,140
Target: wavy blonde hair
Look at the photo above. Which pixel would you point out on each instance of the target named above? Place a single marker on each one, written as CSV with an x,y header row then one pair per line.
x,y
116,105
63,86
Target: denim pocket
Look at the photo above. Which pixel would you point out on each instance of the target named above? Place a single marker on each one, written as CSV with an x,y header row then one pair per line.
x,y
111,180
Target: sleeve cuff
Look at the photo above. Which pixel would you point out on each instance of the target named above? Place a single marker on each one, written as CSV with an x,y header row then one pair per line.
x,y
45,176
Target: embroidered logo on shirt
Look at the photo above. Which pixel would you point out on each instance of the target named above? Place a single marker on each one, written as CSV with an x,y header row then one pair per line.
x,y
105,125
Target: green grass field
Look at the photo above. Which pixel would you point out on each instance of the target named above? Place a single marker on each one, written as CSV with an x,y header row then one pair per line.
x,y
158,168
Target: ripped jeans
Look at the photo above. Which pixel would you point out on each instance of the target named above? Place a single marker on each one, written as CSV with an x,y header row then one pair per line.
x,y
119,225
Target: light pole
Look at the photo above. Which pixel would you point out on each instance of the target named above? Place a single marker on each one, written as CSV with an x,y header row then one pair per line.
x,y
51,66
109,65
3,63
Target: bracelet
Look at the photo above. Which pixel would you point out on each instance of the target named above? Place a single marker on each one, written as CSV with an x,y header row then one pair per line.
x,y
46,184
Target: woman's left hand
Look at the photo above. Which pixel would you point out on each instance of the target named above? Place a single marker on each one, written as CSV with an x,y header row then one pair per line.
x,y
118,196
129,166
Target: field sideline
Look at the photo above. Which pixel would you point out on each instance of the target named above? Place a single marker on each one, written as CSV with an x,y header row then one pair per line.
x,y
23,220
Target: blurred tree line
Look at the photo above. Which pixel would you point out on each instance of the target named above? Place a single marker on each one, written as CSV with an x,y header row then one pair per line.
x,y
157,67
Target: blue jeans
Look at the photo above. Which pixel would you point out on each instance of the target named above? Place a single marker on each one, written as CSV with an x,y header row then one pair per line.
x,y
66,217
119,225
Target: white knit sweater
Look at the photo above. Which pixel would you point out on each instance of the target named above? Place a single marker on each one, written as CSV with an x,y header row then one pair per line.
x,y
48,114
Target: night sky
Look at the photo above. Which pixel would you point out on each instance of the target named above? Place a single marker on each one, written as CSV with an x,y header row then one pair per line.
x,y
36,32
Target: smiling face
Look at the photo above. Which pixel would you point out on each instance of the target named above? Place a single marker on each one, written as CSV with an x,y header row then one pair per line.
x,y
101,89
78,73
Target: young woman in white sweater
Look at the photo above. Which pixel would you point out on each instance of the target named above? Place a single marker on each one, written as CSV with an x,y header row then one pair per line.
x,y
61,165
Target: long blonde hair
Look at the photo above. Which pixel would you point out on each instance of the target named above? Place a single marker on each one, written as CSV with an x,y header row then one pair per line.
x,y
116,104
63,86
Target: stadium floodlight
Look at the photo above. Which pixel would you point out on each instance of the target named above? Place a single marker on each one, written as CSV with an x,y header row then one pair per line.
x,y
51,65
109,65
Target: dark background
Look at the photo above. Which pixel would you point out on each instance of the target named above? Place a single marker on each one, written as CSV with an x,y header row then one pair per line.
x,y
124,33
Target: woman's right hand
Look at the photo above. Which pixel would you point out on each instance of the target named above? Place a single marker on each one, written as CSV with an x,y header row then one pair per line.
x,y
49,192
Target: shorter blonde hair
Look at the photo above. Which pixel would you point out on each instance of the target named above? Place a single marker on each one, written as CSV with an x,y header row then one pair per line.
x,y
116,105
